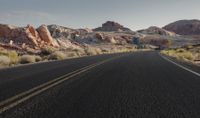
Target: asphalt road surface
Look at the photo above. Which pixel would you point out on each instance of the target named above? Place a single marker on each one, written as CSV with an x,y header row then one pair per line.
x,y
132,85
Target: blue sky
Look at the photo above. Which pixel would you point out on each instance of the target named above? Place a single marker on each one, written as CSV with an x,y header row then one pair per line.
x,y
135,14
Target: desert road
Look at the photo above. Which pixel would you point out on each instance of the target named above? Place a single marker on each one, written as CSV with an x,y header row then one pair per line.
x,y
131,85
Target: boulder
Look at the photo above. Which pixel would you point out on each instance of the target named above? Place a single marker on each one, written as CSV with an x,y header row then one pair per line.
x,y
46,36
32,35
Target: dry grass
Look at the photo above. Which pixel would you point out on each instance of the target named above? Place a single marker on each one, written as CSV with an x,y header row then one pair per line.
x,y
38,58
180,54
93,51
8,58
12,55
4,61
71,54
27,59
79,52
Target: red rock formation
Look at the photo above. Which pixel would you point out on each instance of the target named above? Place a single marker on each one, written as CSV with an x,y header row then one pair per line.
x,y
32,35
28,36
19,35
46,36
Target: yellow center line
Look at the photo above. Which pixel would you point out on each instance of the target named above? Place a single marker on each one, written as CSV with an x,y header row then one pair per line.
x,y
17,99
42,85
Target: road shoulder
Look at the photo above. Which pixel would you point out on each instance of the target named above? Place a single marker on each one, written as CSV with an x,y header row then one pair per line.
x,y
185,64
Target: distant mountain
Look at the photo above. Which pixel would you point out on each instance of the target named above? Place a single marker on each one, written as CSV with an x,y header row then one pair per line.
x,y
184,27
156,30
25,38
110,26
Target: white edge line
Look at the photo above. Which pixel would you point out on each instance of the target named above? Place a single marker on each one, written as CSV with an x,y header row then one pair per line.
x,y
187,69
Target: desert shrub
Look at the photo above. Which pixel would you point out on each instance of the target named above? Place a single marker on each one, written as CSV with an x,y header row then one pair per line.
x,y
27,59
180,54
71,54
38,58
14,58
198,50
90,51
188,47
47,50
58,55
171,52
186,55
98,51
165,52
130,47
113,50
4,60
79,52
104,50
180,50
12,55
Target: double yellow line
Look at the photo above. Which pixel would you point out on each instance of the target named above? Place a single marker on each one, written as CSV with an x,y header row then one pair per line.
x,y
17,99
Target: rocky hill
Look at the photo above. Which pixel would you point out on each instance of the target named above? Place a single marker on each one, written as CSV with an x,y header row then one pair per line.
x,y
61,37
184,27
157,30
111,26
88,36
